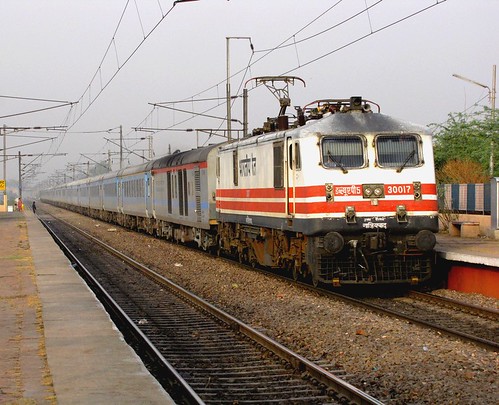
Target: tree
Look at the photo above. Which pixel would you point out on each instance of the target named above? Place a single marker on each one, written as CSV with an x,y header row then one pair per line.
x,y
467,138
462,171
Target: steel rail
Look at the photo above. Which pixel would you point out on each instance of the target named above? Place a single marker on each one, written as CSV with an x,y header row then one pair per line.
x,y
488,344
489,313
300,363
180,389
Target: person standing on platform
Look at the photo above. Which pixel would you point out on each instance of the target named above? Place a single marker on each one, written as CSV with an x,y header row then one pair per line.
x,y
33,207
20,204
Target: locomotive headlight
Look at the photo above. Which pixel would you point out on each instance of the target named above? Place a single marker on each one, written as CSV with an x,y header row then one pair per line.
x,y
401,213
378,191
329,192
373,190
350,214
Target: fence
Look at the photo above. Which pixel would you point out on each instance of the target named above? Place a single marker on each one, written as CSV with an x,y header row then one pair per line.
x,y
465,198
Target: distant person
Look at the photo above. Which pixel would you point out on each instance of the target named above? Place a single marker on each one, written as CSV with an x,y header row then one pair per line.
x,y
33,207
20,204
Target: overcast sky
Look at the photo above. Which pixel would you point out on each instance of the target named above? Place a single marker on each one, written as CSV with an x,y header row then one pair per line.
x,y
52,50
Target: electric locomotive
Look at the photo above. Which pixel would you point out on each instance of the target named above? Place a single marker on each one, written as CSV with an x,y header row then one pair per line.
x,y
348,196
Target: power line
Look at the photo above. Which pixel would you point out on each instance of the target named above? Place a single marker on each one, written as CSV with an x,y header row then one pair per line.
x,y
438,2
35,99
281,45
271,49
284,45
72,121
120,66
37,110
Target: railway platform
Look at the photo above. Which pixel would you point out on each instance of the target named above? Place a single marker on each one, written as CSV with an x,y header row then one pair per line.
x,y
472,263
57,343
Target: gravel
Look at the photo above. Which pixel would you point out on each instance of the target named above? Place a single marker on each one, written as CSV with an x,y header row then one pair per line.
x,y
396,362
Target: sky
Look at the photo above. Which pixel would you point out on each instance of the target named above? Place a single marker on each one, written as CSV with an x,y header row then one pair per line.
x,y
92,66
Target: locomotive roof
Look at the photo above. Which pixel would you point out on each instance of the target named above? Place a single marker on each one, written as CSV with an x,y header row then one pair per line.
x,y
364,123
182,158
339,123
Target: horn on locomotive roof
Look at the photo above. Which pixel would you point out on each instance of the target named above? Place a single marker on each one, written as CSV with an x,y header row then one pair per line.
x,y
316,109
281,93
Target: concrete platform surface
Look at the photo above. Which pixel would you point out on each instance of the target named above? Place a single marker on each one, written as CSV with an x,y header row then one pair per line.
x,y
57,343
479,251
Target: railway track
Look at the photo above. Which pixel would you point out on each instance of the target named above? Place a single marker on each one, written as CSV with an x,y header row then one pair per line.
x,y
447,316
201,354
482,312
450,317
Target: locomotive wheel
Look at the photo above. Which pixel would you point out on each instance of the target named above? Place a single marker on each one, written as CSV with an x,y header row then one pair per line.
x,y
315,279
241,257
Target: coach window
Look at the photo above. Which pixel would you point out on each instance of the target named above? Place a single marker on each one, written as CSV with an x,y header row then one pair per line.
x,y
279,164
397,151
343,152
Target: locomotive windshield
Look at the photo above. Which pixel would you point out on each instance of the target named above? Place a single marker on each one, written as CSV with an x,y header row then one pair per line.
x,y
398,151
343,152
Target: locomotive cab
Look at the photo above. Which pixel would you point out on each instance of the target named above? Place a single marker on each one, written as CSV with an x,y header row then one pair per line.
x,y
380,198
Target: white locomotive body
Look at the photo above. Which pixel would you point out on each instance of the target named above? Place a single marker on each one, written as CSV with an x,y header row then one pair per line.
x,y
347,198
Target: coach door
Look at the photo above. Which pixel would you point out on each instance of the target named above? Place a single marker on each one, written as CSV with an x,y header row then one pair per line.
x,y
149,202
120,194
197,186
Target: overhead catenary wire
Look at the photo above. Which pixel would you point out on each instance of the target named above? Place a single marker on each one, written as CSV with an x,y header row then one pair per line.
x,y
45,100
36,110
322,56
120,66
74,116
251,63
438,2
284,44
27,144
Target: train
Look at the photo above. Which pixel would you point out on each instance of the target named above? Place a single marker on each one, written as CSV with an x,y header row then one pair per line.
x,y
341,195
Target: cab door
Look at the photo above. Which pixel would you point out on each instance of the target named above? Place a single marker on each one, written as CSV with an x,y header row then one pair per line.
x,y
292,165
